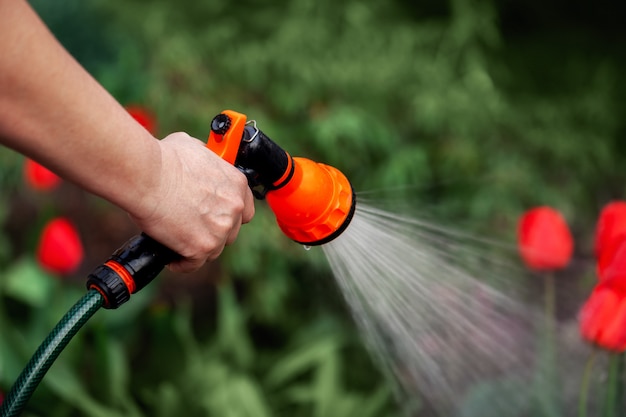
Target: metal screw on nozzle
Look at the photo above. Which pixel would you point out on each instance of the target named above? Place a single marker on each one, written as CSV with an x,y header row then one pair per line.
x,y
220,124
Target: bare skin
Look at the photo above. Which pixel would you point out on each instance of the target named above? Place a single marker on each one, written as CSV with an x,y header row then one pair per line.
x,y
53,111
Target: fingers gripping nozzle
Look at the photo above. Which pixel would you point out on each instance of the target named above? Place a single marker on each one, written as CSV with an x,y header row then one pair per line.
x,y
313,203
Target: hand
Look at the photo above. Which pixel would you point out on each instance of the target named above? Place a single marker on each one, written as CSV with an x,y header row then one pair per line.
x,y
52,110
198,204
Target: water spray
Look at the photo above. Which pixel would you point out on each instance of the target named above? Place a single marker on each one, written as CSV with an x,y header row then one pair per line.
x,y
313,204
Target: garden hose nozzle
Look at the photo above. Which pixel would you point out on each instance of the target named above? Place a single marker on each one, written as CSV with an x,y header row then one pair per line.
x,y
313,202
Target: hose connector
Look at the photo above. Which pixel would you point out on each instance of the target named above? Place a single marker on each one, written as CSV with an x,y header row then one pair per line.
x,y
129,269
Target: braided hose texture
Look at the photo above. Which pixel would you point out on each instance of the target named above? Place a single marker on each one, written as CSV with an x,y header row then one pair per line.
x,y
48,351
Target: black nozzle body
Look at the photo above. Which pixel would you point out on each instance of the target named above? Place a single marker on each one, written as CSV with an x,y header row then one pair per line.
x,y
264,162
142,259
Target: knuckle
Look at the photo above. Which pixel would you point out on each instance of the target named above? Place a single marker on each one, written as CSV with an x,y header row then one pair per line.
x,y
238,205
241,181
208,246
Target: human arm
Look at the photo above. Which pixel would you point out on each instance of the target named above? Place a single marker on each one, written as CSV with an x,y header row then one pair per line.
x,y
53,111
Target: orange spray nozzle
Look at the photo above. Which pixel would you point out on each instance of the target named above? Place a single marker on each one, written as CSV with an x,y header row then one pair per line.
x,y
316,205
313,202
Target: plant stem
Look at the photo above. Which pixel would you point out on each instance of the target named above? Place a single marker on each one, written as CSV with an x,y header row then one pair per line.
x,y
548,348
612,396
619,385
584,387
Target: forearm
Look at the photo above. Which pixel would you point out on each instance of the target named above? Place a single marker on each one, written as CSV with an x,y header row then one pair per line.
x,y
52,110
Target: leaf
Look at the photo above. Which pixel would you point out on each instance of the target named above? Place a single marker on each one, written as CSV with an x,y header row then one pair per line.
x,y
26,282
117,376
250,399
10,362
301,360
63,381
232,330
328,391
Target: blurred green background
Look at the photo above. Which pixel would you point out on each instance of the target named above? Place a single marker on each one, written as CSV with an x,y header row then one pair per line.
x,y
473,110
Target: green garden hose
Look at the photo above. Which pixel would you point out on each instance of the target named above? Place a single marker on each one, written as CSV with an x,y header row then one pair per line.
x,y
48,351
129,269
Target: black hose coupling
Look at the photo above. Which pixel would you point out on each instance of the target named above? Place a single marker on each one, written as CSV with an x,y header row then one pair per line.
x,y
129,269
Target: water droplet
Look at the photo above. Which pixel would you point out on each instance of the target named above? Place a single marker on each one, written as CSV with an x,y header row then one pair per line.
x,y
306,247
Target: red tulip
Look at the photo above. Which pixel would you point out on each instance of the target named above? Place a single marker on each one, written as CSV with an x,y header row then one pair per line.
x,y
614,273
144,117
602,319
607,257
39,177
611,226
612,260
610,232
544,239
60,249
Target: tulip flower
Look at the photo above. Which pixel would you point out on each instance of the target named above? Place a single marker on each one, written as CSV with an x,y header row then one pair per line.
x,y
39,177
60,249
610,232
144,117
611,226
545,245
602,318
612,264
545,242
605,259
602,322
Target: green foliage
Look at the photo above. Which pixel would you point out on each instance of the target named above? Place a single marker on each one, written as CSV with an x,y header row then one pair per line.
x,y
393,99
442,104
25,281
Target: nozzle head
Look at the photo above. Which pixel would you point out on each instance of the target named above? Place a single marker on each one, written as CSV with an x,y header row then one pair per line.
x,y
316,205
